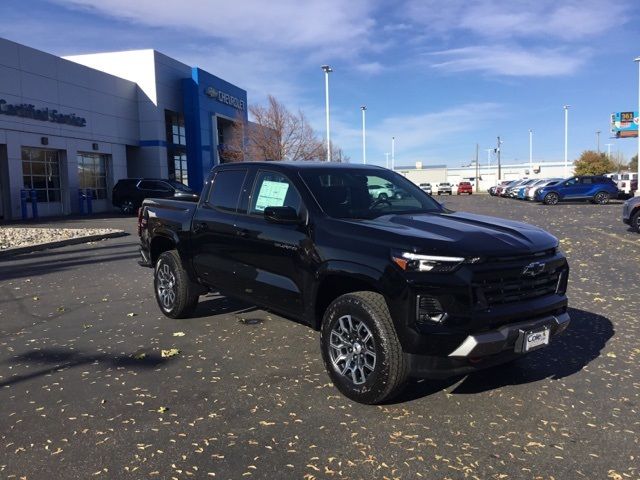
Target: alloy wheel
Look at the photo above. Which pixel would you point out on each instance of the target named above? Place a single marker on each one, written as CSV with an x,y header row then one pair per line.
x,y
352,349
166,286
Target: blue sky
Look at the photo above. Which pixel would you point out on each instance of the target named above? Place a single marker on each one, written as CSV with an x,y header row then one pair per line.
x,y
440,75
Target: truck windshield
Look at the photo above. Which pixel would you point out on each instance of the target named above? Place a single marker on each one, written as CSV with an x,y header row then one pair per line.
x,y
180,186
366,193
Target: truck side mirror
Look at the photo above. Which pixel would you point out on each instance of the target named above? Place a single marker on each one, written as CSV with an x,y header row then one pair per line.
x,y
283,215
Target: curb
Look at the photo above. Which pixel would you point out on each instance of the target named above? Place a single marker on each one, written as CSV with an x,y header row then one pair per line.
x,y
10,252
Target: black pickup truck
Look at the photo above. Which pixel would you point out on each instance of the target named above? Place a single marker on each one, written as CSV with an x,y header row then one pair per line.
x,y
397,287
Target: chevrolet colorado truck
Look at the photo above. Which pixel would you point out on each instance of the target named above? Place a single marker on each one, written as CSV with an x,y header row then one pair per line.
x,y
397,287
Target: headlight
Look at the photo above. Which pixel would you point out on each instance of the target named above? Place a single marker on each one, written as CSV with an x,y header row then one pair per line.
x,y
415,262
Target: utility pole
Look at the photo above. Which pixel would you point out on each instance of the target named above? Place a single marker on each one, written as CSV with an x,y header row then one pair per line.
x,y
499,162
477,168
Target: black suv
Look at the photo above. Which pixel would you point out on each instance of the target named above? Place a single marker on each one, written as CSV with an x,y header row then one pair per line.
x,y
129,193
397,286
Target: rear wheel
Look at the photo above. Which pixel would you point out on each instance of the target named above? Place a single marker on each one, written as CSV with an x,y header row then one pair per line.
x,y
601,198
551,198
127,207
176,294
635,221
361,350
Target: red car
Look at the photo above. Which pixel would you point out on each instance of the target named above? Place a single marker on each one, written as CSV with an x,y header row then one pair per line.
x,y
465,187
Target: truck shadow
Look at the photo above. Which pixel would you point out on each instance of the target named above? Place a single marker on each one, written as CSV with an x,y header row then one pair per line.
x,y
57,359
568,354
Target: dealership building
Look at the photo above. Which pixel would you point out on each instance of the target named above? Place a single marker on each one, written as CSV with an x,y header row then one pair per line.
x,y
79,124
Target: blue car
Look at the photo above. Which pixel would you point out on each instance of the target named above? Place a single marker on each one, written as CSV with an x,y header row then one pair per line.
x,y
597,189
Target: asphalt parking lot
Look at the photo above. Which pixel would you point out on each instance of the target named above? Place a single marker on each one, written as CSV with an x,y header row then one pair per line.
x,y
87,393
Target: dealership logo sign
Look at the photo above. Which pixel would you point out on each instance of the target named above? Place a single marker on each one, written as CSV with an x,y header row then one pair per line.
x,y
26,110
223,97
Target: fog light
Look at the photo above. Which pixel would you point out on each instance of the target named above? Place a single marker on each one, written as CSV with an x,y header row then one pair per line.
x,y
429,309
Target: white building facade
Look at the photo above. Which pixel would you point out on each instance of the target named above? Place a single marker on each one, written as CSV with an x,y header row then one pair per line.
x,y
75,126
487,175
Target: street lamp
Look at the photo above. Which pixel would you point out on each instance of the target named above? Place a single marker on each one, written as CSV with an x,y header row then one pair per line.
x,y
393,153
566,139
327,70
530,152
364,134
637,119
598,140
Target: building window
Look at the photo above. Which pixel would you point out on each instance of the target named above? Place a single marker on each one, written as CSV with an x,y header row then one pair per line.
x,y
176,151
41,172
178,167
92,173
175,128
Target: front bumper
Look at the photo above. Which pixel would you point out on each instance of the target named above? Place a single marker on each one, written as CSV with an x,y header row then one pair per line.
x,y
483,350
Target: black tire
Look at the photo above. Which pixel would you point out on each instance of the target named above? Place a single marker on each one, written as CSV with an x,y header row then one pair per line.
x,y
601,198
635,221
176,294
450,193
128,207
551,198
389,370
383,196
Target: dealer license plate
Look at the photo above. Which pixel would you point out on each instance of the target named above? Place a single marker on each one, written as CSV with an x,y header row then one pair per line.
x,y
535,339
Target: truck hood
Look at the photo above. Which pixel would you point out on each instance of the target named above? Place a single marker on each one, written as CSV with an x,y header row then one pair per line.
x,y
457,233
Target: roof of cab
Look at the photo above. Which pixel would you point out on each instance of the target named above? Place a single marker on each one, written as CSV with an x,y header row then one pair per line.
x,y
298,165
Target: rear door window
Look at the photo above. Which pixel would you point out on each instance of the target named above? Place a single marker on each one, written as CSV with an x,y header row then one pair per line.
x,y
273,190
226,188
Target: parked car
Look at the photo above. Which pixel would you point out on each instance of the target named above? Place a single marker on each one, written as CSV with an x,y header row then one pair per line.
x,y
625,184
631,213
501,187
443,188
396,289
128,193
426,187
512,191
380,192
597,189
464,187
531,191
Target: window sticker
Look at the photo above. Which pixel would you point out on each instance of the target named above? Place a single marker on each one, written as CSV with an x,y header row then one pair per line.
x,y
272,194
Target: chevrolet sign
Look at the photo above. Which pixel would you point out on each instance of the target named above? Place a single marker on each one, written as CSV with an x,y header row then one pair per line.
x,y
223,97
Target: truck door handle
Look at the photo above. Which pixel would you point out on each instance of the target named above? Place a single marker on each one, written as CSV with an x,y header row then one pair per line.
x,y
200,227
242,232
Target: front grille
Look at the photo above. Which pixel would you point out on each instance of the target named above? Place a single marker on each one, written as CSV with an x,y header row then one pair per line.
x,y
498,288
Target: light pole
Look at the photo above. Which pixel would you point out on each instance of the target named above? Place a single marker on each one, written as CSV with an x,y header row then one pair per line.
x,y
566,139
327,70
364,134
608,145
598,140
498,152
637,119
386,155
393,153
530,152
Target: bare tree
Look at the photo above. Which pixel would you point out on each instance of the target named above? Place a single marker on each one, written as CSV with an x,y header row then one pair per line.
x,y
279,134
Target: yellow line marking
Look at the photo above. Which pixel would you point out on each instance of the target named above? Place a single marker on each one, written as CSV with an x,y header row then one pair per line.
x,y
637,243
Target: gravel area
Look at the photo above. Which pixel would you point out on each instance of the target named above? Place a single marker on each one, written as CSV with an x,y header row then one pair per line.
x,y
14,237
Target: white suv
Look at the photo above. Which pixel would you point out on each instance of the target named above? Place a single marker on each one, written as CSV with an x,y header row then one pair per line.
x,y
443,188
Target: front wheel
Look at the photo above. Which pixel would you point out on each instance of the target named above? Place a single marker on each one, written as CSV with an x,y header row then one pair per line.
x,y
361,350
176,294
601,198
551,198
